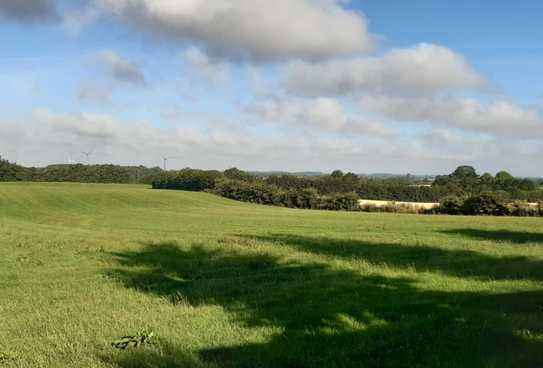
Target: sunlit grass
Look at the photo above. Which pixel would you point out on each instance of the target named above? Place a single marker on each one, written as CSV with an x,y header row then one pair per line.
x,y
228,284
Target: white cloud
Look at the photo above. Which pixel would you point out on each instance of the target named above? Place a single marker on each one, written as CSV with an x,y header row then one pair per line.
x,y
254,29
78,125
211,70
417,85
420,70
120,69
316,116
500,117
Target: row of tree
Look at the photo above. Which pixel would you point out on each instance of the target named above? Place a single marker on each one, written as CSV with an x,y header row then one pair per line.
x,y
462,192
463,182
489,203
238,185
335,191
78,173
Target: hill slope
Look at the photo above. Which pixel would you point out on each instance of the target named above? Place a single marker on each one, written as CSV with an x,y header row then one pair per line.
x,y
228,284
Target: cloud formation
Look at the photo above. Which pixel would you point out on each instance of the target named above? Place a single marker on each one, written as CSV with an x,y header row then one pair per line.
x,y
252,29
420,70
120,69
421,84
211,70
500,117
316,116
50,137
28,10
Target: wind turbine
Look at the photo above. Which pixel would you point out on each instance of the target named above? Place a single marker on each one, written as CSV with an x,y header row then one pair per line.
x,y
71,161
88,155
165,160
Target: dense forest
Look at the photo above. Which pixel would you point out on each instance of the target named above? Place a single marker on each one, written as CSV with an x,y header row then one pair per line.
x,y
78,173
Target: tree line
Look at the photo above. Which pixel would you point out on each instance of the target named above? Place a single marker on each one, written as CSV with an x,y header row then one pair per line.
x,y
463,191
241,186
463,182
470,193
78,173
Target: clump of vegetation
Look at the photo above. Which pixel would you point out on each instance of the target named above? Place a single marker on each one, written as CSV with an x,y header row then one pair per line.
x,y
489,203
6,357
452,205
307,198
486,203
141,338
187,179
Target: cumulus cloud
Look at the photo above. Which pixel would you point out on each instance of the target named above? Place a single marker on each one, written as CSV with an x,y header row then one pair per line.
x,y
421,84
420,70
317,116
81,125
28,10
120,69
499,117
211,70
74,21
254,29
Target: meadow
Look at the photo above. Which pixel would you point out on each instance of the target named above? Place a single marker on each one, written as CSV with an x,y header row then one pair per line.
x,y
229,284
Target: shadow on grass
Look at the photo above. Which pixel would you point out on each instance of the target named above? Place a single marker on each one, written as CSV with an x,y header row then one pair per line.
x,y
454,262
334,317
515,237
164,356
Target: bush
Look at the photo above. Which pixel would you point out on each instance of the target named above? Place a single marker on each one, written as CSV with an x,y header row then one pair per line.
x,y
340,202
300,198
187,179
451,205
256,192
486,203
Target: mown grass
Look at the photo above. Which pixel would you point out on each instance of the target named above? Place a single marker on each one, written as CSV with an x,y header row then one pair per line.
x,y
228,284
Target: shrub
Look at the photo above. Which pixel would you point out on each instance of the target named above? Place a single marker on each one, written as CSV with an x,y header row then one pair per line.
x,y
307,198
451,205
187,179
486,203
256,192
339,202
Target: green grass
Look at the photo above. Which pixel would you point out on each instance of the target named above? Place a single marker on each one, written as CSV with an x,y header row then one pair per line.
x,y
228,284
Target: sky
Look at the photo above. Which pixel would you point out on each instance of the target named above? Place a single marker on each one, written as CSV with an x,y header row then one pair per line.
x,y
367,86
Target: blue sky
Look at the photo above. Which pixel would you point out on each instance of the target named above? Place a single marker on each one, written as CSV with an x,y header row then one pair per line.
x,y
363,86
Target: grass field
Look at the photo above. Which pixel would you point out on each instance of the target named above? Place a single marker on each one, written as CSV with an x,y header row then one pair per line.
x,y
228,284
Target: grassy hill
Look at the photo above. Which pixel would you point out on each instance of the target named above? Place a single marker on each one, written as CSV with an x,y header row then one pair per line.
x,y
228,284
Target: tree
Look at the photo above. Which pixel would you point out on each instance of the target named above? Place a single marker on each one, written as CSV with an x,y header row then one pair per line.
x,y
236,174
463,172
504,176
451,205
486,203
337,174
